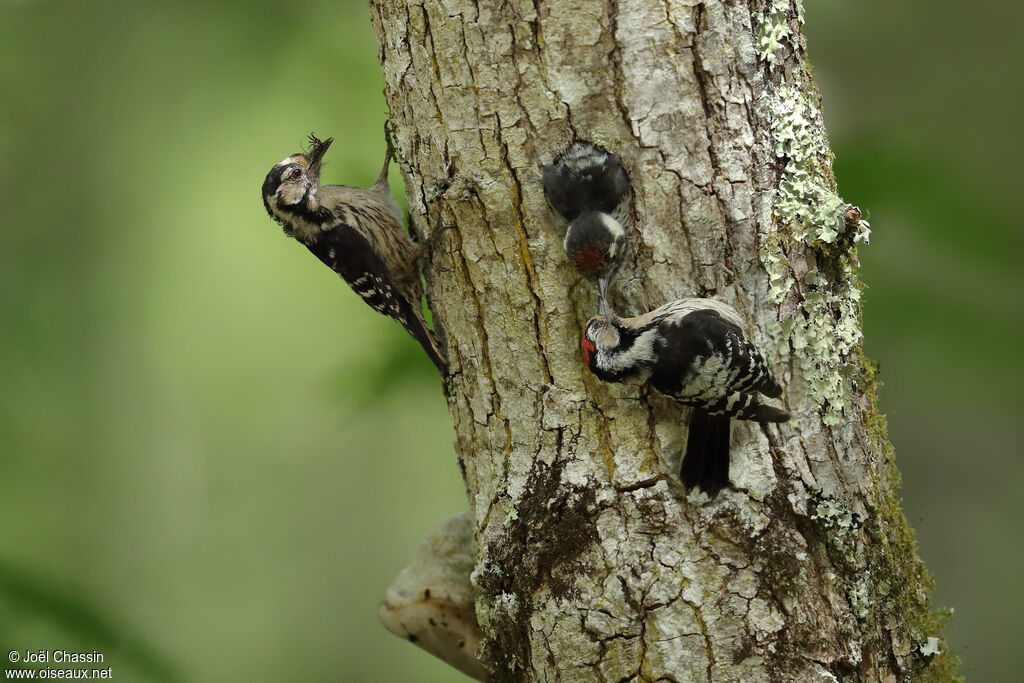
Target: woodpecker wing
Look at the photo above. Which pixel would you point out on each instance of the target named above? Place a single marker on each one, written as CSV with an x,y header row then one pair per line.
x,y
704,357
346,251
382,228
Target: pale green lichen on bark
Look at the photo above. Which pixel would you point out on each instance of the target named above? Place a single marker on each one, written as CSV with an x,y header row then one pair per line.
x,y
774,30
806,200
842,527
808,214
511,514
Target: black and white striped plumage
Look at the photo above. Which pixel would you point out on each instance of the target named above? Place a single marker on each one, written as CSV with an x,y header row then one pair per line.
x,y
356,233
694,351
589,188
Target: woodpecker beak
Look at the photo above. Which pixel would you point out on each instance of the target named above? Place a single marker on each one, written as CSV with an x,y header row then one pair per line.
x,y
316,155
602,297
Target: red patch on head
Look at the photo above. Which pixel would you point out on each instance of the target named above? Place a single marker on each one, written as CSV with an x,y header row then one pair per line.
x,y
589,258
587,347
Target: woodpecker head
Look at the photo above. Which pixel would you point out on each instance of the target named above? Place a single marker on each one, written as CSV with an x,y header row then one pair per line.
x,y
290,190
595,243
598,332
616,351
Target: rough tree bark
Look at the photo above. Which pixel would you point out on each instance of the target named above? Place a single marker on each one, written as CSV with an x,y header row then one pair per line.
x,y
593,563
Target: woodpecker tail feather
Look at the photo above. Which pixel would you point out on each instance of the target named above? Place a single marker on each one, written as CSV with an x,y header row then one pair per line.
x,y
706,462
421,333
416,325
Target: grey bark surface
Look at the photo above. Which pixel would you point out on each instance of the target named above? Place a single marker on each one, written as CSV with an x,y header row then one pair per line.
x,y
593,562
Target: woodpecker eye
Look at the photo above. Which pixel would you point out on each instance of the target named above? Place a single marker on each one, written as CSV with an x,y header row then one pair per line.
x,y
294,174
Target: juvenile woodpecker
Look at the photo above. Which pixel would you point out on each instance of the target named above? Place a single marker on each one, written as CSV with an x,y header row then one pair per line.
x,y
694,351
587,186
356,233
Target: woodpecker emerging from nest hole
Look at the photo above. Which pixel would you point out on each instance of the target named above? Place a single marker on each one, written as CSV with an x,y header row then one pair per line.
x,y
588,187
356,233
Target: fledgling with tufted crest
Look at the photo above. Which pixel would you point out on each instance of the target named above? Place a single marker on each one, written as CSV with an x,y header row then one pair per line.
x,y
355,232
694,351
588,187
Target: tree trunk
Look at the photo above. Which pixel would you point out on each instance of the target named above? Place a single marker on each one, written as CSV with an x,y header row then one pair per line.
x,y
593,562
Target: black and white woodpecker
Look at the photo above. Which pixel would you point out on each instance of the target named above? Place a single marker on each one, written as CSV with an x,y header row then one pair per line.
x,y
694,351
587,185
356,233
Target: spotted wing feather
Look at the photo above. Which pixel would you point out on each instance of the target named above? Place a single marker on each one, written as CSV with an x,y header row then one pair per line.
x,y
345,251
712,361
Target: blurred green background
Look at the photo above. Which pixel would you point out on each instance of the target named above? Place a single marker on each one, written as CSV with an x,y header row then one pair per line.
x,y
214,459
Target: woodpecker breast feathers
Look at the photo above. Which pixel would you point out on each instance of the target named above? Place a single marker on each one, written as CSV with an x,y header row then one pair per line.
x,y
355,232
